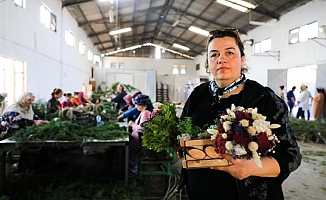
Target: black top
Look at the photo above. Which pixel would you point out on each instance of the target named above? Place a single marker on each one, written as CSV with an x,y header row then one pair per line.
x,y
52,106
119,99
208,184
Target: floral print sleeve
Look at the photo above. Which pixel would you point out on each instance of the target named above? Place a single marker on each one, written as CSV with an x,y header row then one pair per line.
x,y
12,121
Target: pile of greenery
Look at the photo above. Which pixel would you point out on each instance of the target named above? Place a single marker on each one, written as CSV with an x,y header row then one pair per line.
x,y
69,131
310,131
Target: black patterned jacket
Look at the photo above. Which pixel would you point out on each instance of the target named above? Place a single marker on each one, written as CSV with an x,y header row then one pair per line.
x,y
213,184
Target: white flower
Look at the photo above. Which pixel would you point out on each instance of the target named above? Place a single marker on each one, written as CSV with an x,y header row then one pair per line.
x,y
212,131
272,126
239,150
261,125
269,132
230,113
257,116
233,107
251,130
244,123
224,136
253,147
227,125
240,108
226,117
213,136
184,137
252,110
228,145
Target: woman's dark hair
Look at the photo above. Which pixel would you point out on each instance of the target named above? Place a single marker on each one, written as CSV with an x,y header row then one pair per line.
x,y
56,91
320,90
68,94
142,99
226,32
122,87
282,87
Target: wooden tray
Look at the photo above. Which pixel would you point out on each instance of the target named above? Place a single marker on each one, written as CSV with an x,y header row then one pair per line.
x,y
201,154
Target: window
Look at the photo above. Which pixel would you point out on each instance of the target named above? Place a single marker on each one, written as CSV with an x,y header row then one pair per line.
x,y
81,47
121,65
263,46
113,65
69,37
48,18
97,60
20,3
294,36
90,55
12,78
303,33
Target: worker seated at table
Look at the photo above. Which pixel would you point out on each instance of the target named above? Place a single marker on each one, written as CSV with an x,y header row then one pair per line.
x,y
76,100
131,113
19,115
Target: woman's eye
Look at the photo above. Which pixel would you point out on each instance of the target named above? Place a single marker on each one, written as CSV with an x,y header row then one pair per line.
x,y
213,55
230,53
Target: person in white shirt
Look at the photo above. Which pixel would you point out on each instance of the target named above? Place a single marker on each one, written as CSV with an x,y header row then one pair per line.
x,y
303,102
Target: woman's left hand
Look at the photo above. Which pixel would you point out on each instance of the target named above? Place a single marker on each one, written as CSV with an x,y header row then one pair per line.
x,y
240,168
41,122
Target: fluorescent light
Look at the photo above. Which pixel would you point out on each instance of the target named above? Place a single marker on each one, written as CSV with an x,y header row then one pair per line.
x,y
180,47
125,49
244,3
198,30
232,5
157,52
149,44
124,30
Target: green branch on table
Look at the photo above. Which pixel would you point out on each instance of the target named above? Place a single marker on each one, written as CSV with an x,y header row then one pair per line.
x,y
69,131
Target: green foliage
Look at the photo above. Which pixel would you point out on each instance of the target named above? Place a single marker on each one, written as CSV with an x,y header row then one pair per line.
x,y
160,134
39,108
68,131
186,126
310,131
110,110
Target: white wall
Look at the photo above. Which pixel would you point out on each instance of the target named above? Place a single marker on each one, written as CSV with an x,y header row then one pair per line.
x,y
295,55
163,69
50,62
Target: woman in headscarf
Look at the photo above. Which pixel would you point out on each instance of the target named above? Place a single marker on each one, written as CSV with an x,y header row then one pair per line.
x,y
19,115
144,105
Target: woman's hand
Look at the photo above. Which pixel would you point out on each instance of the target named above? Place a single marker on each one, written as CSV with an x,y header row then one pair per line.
x,y
40,122
243,168
240,168
130,123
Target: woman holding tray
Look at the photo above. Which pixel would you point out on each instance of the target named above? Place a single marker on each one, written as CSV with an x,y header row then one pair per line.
x,y
225,62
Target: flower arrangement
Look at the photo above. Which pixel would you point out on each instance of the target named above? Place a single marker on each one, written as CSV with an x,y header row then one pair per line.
x,y
243,133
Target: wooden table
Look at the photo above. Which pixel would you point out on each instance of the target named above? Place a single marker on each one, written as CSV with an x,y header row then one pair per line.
x,y
9,144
